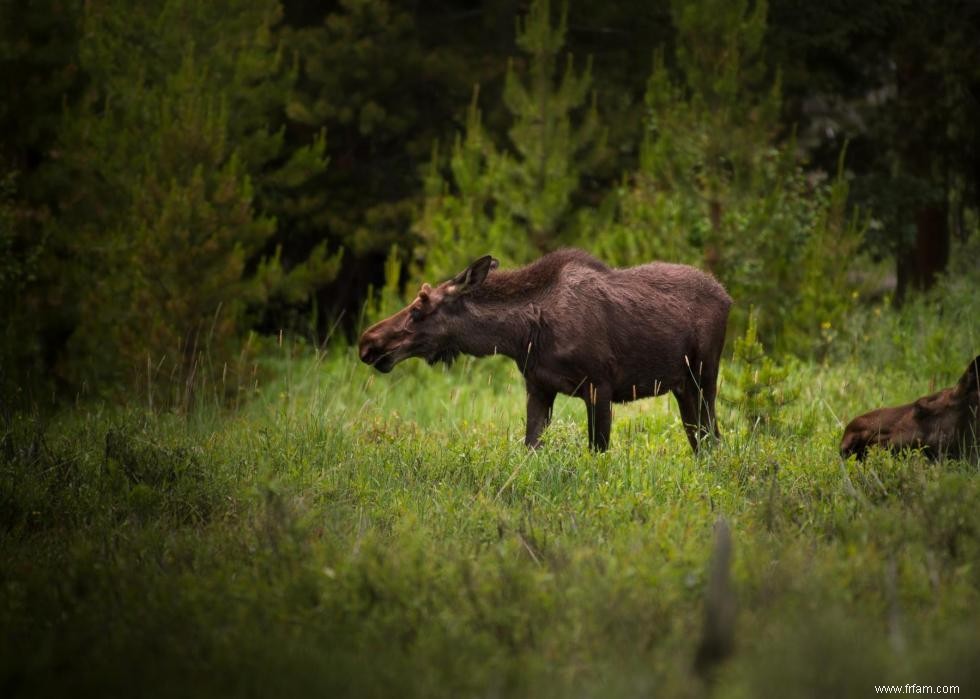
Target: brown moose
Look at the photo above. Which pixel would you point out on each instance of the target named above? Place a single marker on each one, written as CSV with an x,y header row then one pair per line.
x,y
946,423
577,327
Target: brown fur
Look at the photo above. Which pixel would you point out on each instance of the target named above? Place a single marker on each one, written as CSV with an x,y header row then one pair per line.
x,y
577,327
942,424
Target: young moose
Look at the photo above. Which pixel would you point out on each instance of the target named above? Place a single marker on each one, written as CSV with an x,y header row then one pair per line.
x,y
946,423
577,327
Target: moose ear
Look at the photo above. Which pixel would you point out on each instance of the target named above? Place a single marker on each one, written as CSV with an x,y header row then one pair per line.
x,y
475,274
970,381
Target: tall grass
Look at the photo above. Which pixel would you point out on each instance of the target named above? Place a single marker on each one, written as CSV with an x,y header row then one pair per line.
x,y
348,533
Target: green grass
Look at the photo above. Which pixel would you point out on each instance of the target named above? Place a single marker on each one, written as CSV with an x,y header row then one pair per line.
x,y
352,534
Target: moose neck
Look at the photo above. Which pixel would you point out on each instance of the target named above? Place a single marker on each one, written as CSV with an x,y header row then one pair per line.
x,y
498,324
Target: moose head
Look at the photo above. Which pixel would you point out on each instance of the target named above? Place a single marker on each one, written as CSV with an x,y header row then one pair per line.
x,y
433,326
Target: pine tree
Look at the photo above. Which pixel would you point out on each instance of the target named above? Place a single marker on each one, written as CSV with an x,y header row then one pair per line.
x,y
516,200
716,186
170,224
39,81
757,387
365,76
549,153
709,133
897,80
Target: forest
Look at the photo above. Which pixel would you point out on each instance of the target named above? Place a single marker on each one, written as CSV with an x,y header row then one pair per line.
x,y
203,491
179,175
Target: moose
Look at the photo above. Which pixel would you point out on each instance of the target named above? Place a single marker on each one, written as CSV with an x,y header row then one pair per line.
x,y
946,423
577,327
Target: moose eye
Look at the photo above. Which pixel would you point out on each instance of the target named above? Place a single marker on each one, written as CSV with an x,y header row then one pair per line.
x,y
921,408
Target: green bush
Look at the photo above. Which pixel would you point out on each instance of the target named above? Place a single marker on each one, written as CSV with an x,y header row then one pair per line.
x,y
755,385
162,248
353,535
21,255
717,187
515,200
933,335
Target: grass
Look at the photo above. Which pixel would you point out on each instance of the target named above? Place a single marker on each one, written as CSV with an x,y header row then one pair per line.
x,y
352,534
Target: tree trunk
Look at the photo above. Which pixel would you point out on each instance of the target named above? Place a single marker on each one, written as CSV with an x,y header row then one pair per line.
x,y
920,265
712,248
921,151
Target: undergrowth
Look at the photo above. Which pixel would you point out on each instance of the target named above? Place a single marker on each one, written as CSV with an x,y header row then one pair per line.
x,y
352,534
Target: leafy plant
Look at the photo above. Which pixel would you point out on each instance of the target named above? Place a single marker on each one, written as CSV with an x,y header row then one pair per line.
x,y
169,231
718,188
756,385
515,200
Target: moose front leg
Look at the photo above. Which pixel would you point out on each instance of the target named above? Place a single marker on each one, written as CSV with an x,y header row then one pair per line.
x,y
539,405
598,407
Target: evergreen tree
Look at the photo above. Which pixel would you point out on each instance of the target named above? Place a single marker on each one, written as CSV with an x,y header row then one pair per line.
x,y
517,200
39,79
171,149
543,171
757,386
898,81
716,187
384,97
708,133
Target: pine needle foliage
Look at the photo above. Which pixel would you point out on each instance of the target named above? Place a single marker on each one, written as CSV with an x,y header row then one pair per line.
x,y
171,226
756,385
517,199
719,187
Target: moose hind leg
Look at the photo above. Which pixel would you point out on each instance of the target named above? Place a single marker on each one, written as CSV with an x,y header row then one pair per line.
x,y
687,403
696,398
706,400
598,408
539,406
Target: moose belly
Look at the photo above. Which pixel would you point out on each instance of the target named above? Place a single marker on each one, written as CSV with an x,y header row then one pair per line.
x,y
626,392
582,378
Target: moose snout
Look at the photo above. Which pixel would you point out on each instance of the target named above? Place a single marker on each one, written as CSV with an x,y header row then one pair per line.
x,y
369,353
373,352
853,443
369,350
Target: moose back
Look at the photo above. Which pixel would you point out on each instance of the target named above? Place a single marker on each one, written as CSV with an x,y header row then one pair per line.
x,y
577,327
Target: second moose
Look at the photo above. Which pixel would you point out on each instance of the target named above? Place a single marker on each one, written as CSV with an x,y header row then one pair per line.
x,y
577,327
946,423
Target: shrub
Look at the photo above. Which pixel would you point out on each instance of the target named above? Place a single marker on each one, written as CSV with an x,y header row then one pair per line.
x,y
716,187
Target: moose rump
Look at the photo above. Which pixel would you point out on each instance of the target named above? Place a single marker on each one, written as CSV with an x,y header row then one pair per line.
x,y
577,327
627,334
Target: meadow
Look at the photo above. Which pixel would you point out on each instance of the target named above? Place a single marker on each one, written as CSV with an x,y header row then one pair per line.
x,y
344,533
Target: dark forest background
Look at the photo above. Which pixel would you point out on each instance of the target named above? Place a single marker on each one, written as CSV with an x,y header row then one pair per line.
x,y
181,179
